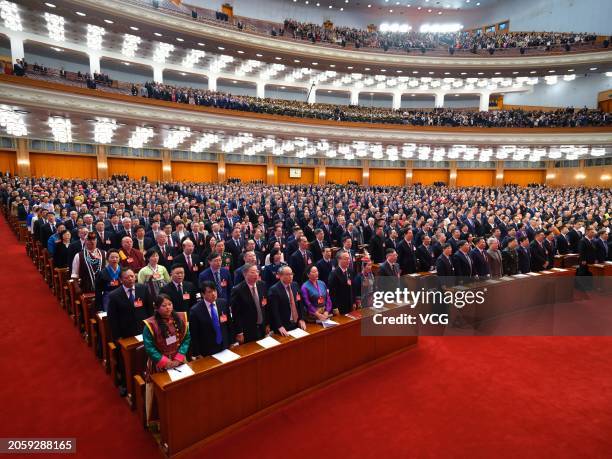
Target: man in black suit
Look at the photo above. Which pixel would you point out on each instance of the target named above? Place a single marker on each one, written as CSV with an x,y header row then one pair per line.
x,y
406,254
249,308
325,265
78,245
424,254
392,241
235,247
166,251
463,264
390,267
562,241
455,240
142,243
587,252
602,246
128,306
104,238
524,255
210,323
444,265
300,259
317,246
23,209
340,286
181,292
479,258
539,258
574,236
550,246
48,229
286,309
190,261
376,246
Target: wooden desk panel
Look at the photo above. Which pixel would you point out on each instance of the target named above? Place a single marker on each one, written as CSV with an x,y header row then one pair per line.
x,y
220,395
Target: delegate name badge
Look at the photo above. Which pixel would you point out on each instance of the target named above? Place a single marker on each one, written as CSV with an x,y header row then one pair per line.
x,y
223,318
170,340
348,282
223,283
186,296
138,303
169,257
113,283
130,260
264,301
195,268
297,297
321,300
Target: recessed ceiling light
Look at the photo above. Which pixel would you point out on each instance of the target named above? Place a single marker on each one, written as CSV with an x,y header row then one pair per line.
x,y
234,81
480,73
50,5
463,73
259,55
54,48
157,34
201,44
297,61
240,51
80,13
341,9
383,70
431,73
515,73
419,8
350,67
446,73
551,71
367,69
126,63
332,65
108,21
133,28
412,95
497,73
282,87
593,68
315,63
220,48
390,11
570,70
278,58
183,73
532,72
439,12
456,95
415,71
478,4
369,6
179,39
429,11
398,71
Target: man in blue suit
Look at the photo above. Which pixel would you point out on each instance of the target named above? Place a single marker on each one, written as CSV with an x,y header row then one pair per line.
x,y
463,264
479,258
524,255
219,275
210,323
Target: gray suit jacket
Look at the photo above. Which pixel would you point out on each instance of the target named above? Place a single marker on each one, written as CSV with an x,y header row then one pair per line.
x,y
495,262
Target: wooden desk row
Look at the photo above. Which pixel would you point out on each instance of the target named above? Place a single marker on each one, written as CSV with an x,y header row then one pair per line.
x,y
221,396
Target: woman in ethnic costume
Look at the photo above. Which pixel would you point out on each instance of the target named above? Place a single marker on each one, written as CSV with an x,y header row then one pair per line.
x,y
166,341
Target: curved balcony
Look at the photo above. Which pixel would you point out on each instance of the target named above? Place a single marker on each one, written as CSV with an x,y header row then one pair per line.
x,y
218,34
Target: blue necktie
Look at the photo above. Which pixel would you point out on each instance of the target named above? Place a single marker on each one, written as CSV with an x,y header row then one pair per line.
x,y
132,296
216,324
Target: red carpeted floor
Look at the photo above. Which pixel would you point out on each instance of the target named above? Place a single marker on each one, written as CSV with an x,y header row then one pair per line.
x,y
449,397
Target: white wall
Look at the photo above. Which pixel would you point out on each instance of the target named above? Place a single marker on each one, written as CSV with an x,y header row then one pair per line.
x,y
552,15
582,92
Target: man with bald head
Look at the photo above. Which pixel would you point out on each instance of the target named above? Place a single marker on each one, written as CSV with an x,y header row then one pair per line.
x,y
190,261
129,257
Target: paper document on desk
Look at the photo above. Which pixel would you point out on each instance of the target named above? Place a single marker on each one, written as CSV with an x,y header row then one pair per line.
x,y
268,342
559,270
608,263
414,275
180,372
520,276
226,356
533,274
329,323
298,333
138,338
505,278
546,272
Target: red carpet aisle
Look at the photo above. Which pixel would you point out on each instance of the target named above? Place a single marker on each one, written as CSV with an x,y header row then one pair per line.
x,y
450,397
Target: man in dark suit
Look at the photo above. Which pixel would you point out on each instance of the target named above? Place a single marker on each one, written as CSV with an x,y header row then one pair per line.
x,y
23,209
574,236
210,323
325,265
340,286
406,254
181,292
190,261
249,257
219,275
300,259
376,246
463,264
551,247
105,238
587,252
479,258
390,267
249,306
128,306
524,255
424,254
444,265
455,240
562,240
166,251
286,309
141,242
392,241
78,245
539,258
48,229
235,247
317,246
603,249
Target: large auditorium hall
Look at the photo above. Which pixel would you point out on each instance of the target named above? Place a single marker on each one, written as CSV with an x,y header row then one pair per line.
x,y
314,228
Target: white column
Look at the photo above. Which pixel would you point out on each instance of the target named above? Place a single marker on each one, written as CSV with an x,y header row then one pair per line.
x,y
439,100
397,100
212,82
354,97
312,96
261,89
484,101
17,51
158,74
94,63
